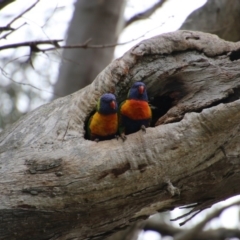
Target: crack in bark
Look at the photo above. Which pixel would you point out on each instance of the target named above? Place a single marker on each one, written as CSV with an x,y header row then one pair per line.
x,y
40,168
66,129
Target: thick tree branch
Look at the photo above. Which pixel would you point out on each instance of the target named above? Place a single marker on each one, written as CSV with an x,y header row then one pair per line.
x,y
70,187
217,17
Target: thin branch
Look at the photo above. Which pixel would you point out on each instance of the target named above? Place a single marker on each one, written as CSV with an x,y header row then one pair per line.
x,y
145,14
183,215
189,206
24,12
191,233
25,84
188,219
86,45
53,12
33,44
8,26
34,48
12,31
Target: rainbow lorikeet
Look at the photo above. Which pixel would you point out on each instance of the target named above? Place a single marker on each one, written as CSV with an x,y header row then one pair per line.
x,y
134,113
103,124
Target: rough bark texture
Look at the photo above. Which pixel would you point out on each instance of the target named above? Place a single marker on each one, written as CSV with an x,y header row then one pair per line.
x,y
57,185
221,17
101,21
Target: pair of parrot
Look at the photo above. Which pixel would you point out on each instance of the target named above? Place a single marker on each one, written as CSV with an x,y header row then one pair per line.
x,y
132,115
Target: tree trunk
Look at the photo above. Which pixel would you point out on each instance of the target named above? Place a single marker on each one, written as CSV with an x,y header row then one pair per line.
x,y
221,17
100,21
57,185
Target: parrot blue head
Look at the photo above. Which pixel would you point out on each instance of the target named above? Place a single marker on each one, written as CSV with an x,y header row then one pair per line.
x,y
107,104
138,92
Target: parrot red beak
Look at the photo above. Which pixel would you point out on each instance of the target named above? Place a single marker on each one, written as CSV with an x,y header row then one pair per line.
x,y
112,104
141,89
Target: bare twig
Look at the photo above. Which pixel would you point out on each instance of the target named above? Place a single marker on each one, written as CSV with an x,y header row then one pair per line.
x,y
13,30
145,14
24,12
34,47
188,219
8,26
33,44
191,233
184,215
24,84
53,12
84,45
189,206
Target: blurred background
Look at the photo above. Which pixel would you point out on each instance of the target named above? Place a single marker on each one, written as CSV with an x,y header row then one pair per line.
x,y
49,49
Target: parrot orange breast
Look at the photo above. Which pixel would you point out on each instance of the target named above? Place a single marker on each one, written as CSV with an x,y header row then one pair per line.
x,y
136,109
104,125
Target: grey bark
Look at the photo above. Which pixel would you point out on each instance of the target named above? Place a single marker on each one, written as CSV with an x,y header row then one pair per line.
x,y
101,21
220,17
57,185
